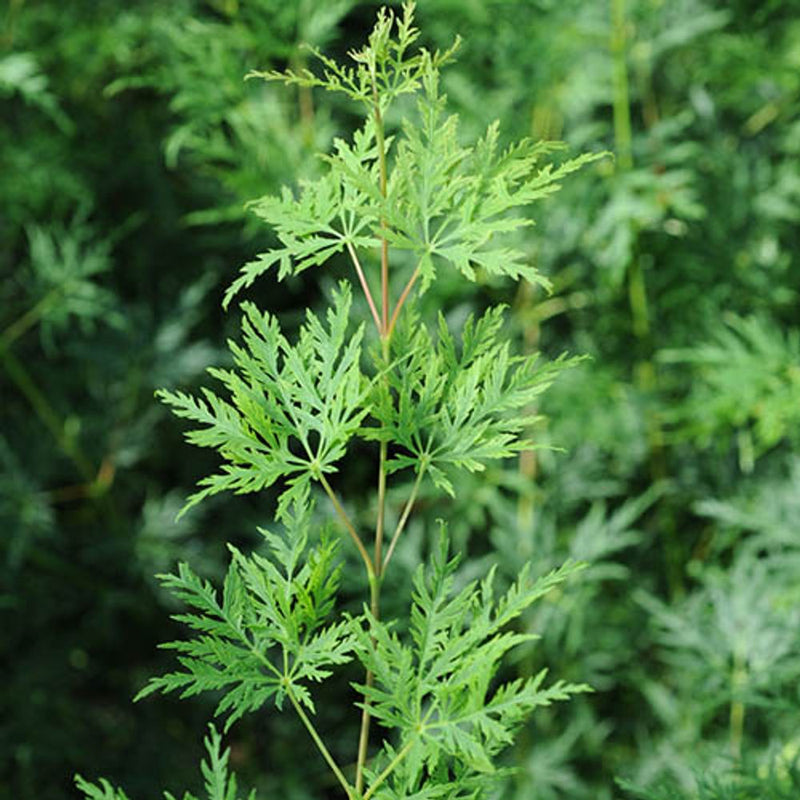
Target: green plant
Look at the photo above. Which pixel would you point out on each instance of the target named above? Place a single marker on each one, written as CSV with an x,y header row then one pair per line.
x,y
432,406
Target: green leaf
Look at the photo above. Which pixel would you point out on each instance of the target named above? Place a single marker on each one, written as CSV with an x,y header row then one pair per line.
x,y
449,410
267,637
446,203
438,689
383,68
219,784
102,790
451,204
746,376
291,410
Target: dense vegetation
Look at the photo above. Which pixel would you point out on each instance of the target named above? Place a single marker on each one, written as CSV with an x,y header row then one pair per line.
x,y
129,149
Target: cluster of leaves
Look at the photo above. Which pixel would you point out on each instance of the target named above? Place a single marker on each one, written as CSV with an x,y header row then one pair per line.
x,y
747,379
81,343
311,393
268,639
674,267
439,201
264,607
453,408
438,690
293,413
779,779
196,57
677,272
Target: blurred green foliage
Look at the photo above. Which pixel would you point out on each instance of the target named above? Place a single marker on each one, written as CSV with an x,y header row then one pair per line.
x,y
129,147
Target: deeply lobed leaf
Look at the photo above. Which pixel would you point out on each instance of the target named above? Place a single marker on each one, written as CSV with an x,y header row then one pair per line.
x,y
291,411
267,637
438,690
449,410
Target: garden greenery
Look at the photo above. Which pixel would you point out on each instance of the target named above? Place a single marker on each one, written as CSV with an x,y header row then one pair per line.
x,y
431,403
130,151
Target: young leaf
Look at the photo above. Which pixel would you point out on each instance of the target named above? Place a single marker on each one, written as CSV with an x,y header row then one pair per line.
x,y
444,202
102,790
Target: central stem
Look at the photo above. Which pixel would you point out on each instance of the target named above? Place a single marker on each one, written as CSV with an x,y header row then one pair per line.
x,y
363,736
645,376
375,609
380,141
377,564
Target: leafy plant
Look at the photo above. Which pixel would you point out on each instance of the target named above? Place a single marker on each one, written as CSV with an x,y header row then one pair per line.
x,y
435,406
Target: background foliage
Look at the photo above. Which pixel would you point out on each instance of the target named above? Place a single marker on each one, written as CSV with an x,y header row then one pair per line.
x,y
129,147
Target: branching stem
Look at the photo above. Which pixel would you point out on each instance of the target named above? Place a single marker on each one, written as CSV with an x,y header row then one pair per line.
x,y
348,525
390,767
365,286
403,297
321,745
403,517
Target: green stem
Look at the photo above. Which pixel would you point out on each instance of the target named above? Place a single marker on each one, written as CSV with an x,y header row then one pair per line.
x,y
645,374
14,7
374,569
285,680
363,735
348,526
365,286
321,745
525,312
622,110
374,595
404,517
637,295
378,560
391,766
28,319
305,100
738,680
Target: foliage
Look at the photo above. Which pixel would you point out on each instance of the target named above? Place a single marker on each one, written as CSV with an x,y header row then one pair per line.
x,y
130,155
312,393
294,411
261,609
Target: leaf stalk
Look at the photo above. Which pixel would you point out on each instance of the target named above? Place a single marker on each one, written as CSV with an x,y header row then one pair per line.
x,y
321,745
